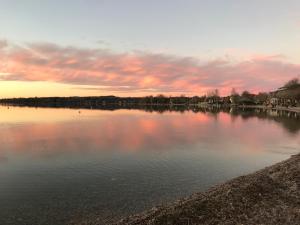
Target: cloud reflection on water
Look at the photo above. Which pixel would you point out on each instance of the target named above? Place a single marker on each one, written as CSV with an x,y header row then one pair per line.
x,y
137,131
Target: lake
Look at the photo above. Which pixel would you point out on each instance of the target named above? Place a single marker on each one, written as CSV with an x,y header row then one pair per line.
x,y
66,166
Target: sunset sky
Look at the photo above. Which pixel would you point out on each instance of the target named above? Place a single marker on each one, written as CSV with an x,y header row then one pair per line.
x,y
142,47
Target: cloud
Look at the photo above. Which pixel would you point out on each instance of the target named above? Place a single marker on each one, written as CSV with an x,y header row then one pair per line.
x,y
103,43
3,44
140,71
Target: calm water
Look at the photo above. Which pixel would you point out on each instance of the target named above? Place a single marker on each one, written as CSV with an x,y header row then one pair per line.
x,y
59,166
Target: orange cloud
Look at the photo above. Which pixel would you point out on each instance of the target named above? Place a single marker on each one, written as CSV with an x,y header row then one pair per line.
x,y
140,71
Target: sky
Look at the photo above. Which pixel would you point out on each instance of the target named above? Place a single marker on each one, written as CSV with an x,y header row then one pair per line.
x,y
140,47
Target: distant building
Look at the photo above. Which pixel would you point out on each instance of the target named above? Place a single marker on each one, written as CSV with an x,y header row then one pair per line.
x,y
286,96
274,101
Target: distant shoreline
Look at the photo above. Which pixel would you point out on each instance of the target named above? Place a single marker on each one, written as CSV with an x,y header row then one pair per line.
x,y
269,196
139,106
289,109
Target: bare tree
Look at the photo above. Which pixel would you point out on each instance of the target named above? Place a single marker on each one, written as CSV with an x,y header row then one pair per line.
x,y
246,94
213,93
234,92
292,83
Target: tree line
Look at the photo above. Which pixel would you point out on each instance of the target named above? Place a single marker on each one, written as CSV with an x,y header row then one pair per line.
x,y
290,91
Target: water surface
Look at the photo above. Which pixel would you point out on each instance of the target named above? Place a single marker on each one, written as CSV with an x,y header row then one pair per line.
x,y
59,166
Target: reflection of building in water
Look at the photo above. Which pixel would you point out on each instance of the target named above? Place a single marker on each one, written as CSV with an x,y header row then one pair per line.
x,y
289,120
283,113
273,113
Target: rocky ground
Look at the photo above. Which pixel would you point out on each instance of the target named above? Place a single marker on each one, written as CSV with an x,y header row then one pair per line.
x,y
269,196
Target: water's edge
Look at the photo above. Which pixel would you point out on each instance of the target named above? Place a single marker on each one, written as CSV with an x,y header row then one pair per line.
x,y
269,196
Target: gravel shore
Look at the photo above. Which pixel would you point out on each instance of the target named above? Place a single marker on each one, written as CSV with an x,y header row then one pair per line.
x,y
269,196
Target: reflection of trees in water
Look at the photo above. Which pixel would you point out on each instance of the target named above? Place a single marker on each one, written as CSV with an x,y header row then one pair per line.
x,y
289,120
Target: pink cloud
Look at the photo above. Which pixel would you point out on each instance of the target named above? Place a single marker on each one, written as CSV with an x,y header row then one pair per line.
x,y
140,71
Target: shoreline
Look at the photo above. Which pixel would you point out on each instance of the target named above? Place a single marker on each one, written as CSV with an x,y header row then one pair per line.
x,y
288,109
268,196
169,106
279,108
